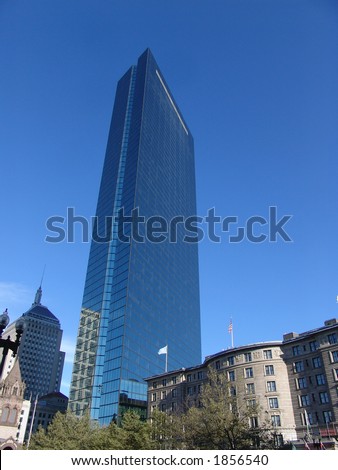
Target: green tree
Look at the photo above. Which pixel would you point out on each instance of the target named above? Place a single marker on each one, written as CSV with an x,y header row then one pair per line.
x,y
220,421
65,432
135,434
167,430
70,432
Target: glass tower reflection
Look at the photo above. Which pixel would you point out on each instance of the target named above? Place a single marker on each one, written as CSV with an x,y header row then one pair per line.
x,y
138,296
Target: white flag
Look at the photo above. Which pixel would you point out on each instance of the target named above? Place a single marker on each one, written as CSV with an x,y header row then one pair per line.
x,y
163,350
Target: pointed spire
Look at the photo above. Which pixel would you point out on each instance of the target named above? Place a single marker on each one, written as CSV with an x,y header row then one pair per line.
x,y
38,295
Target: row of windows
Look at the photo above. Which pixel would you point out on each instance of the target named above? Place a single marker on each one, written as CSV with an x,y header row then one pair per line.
x,y
165,407
165,382
313,418
299,366
192,390
332,338
248,372
305,400
248,357
302,382
164,394
275,421
273,404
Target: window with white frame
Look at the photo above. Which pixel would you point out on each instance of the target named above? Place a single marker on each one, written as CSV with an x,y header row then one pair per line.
x,y
332,338
298,366
251,403
250,388
320,379
267,354
276,421
269,370
233,391
334,355
248,372
301,382
248,357
327,416
296,351
273,403
309,418
271,386
324,397
253,422
316,362
304,400
313,345
231,360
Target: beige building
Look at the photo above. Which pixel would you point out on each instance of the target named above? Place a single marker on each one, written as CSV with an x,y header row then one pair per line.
x,y
294,381
257,375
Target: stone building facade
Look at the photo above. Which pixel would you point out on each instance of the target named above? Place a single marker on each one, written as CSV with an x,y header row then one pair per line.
x,y
294,381
312,363
257,375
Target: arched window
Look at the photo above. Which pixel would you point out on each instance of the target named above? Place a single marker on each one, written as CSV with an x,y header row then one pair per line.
x,y
5,414
13,415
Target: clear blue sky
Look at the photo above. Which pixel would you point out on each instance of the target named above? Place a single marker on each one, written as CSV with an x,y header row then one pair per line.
x,y
256,80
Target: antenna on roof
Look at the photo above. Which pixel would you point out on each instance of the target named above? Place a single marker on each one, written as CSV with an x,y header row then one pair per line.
x,y
43,274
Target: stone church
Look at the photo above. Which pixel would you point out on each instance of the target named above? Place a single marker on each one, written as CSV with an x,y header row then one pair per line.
x,y
14,410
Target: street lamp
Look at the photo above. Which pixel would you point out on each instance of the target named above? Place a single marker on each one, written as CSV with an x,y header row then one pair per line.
x,y
7,344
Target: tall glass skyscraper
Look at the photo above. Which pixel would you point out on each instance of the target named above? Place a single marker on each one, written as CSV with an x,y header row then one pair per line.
x,y
142,289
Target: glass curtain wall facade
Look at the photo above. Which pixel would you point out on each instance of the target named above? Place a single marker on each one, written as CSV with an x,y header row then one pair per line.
x,y
141,291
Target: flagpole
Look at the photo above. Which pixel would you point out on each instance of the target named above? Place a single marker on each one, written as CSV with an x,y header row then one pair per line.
x,y
166,360
164,350
32,421
231,331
